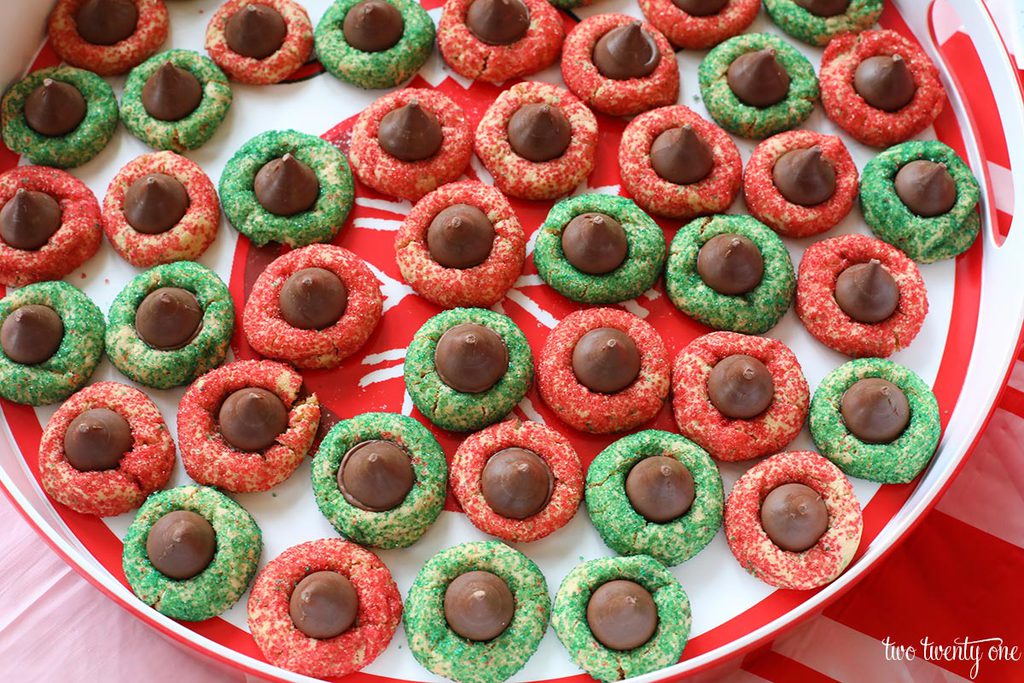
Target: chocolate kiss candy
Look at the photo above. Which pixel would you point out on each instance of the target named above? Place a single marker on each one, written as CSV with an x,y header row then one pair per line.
x,y
313,299
700,8
106,22
256,31
626,52
55,108
867,292
498,22
926,188
460,236
96,440
804,176
794,516
730,264
171,93
29,219
516,483
252,418
680,156
324,605
376,475
660,488
181,544
410,133
875,410
885,82
606,360
824,8
757,78
470,358
741,387
285,186
31,334
479,606
155,203
622,615
373,26
539,132
168,318
594,243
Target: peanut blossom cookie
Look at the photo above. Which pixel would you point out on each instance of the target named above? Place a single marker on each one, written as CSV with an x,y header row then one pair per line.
x,y
477,612
860,296
324,608
175,100
49,225
51,338
518,481
679,165
619,65
800,183
655,493
190,552
880,87
700,24
730,273
59,116
410,142
107,37
739,396
757,85
380,479
374,43
817,21
537,140
104,450
259,42
467,368
921,197
793,521
498,40
288,187
876,420
461,245
159,208
603,370
170,325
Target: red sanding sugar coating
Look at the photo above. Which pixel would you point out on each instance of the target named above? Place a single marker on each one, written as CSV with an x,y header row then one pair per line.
x,y
697,33
271,335
380,609
723,437
293,53
142,470
825,560
75,241
848,109
556,451
816,304
767,204
210,460
108,60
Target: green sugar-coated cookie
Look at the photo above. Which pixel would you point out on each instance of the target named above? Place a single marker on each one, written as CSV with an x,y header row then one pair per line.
x,y
74,148
757,122
637,274
164,369
217,587
71,365
193,130
890,463
403,525
752,313
922,239
320,222
811,28
444,652
569,617
382,69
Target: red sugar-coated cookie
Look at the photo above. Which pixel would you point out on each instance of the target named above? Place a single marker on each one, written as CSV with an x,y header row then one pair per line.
x,y
698,33
271,335
75,241
595,412
767,204
142,470
210,460
187,240
481,286
293,53
526,179
723,437
816,304
617,97
556,451
712,194
473,58
378,616
411,179
108,60
755,551
848,109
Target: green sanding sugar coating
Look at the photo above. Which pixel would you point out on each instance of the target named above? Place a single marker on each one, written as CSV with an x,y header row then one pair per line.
x,y
165,369
70,367
922,239
217,587
454,410
447,654
401,526
569,617
638,272
63,151
756,311
195,129
810,28
757,122
625,530
889,463
320,223
382,69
